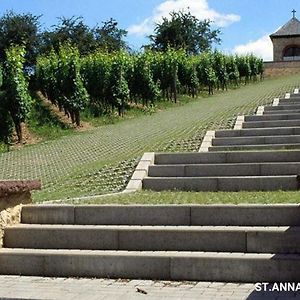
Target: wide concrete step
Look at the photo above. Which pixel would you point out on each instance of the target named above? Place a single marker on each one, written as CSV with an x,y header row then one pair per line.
x,y
258,140
283,107
280,112
258,132
166,265
166,215
226,184
269,124
289,104
227,157
293,97
293,116
208,170
246,147
292,101
155,238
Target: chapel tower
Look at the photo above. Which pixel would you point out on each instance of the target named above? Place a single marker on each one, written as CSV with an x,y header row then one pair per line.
x,y
286,41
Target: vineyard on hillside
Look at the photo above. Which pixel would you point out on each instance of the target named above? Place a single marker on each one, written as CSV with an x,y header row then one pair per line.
x,y
104,83
107,82
102,160
15,99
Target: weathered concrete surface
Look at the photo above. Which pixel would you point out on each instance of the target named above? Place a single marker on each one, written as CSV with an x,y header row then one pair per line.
x,y
210,170
257,140
261,147
268,124
255,239
166,215
161,265
226,157
293,116
258,132
225,184
141,171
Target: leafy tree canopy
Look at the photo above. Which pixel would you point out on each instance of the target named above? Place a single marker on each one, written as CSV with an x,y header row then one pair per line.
x,y
110,37
72,30
20,29
77,33
183,30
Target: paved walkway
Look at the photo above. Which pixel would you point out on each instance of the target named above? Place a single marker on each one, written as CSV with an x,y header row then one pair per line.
x,y
21,287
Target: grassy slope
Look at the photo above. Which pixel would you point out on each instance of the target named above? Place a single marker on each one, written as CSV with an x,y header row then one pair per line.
x,y
102,160
148,197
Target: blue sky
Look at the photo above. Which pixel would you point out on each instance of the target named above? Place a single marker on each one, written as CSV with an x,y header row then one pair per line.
x,y
245,24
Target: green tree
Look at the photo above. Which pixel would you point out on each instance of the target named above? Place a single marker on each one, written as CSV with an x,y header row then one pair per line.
x,y
20,29
72,30
184,31
110,37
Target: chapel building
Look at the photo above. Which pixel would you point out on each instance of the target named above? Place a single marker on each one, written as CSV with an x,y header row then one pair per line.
x,y
286,41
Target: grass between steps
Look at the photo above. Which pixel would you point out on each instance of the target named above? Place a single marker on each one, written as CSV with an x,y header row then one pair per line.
x,y
102,160
151,198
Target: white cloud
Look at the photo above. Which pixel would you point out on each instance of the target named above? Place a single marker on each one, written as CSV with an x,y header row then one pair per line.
x,y
198,8
262,47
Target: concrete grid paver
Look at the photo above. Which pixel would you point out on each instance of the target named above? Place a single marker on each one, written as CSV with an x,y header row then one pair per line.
x,y
102,160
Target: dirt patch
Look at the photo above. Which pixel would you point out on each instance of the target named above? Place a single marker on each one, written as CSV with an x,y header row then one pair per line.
x,y
28,138
10,210
62,117
8,217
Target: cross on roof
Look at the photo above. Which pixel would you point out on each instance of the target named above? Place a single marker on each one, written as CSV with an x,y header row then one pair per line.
x,y
294,13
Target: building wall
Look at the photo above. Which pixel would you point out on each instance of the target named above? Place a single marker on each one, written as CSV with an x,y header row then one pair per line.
x,y
279,44
281,68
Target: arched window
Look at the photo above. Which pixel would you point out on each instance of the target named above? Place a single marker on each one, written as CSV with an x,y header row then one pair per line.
x,y
291,53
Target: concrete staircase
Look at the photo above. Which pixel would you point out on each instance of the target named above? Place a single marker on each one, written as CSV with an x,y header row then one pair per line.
x,y
262,153
245,243
255,243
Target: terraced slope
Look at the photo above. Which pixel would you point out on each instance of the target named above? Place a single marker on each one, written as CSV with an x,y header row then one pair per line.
x,y
102,160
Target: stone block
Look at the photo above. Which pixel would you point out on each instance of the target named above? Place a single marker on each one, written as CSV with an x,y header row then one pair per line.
x,y
167,171
245,215
48,214
139,175
61,237
274,240
229,267
134,185
183,239
181,184
132,215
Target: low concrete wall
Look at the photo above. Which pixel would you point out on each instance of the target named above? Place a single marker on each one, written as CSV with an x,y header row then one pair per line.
x,y
13,194
281,68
